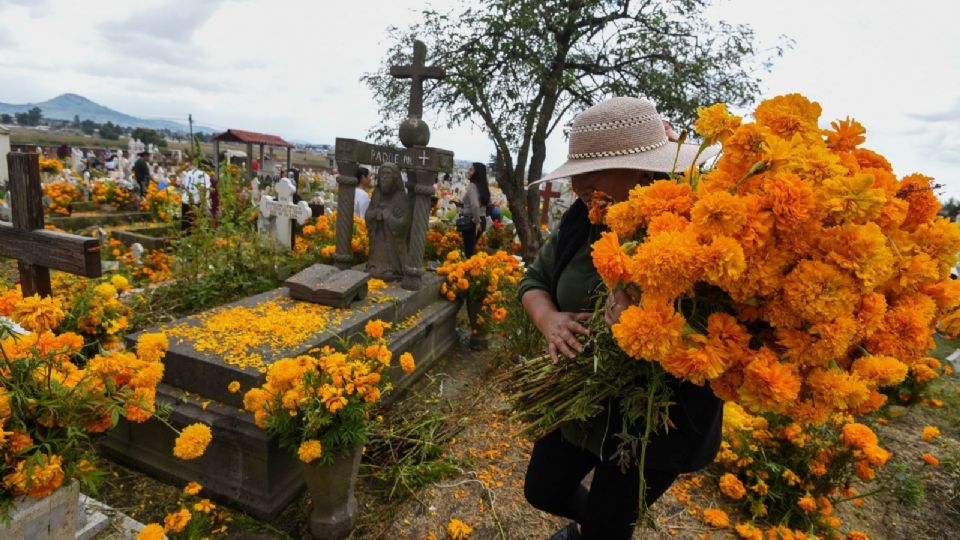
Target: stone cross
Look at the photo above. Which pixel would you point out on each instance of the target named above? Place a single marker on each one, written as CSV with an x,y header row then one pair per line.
x,y
417,72
38,250
547,194
283,209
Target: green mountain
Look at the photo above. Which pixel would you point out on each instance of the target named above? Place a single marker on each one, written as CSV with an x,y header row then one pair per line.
x,y
66,106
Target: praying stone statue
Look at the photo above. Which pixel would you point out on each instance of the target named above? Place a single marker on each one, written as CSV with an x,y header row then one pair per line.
x,y
388,223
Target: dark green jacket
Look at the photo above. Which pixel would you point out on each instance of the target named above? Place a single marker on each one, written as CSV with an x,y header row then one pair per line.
x,y
697,414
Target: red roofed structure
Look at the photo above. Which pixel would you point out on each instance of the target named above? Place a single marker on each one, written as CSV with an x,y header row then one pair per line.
x,y
251,138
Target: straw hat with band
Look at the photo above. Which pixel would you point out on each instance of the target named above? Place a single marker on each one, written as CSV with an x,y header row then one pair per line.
x,y
623,133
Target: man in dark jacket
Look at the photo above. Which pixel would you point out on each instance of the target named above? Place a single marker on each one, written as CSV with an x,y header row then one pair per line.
x,y
141,172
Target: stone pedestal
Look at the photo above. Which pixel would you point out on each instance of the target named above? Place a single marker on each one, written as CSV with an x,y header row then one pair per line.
x,y
334,509
63,515
243,467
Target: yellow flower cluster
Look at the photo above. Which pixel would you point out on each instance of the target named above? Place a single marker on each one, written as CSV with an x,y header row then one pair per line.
x,y
51,166
162,203
111,193
482,278
62,194
440,242
320,237
776,465
239,334
40,368
831,272
184,523
153,267
318,404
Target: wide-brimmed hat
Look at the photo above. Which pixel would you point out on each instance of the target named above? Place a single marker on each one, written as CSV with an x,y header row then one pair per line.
x,y
624,133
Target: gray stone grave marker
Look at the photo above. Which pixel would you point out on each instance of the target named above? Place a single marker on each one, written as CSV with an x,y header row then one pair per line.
x,y
328,285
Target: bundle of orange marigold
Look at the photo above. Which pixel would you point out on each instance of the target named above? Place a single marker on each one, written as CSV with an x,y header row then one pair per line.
x,y
798,276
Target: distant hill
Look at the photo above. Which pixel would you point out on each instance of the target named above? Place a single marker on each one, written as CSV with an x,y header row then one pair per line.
x,y
66,106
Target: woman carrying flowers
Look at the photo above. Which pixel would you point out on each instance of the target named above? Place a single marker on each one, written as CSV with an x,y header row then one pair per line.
x,y
615,146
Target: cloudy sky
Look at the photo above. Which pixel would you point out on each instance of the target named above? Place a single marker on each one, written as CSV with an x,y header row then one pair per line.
x,y
293,67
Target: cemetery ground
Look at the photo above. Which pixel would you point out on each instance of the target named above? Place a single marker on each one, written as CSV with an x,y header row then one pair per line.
x,y
449,450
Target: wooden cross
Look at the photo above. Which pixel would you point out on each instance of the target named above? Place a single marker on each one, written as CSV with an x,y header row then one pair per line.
x,y
417,72
546,195
38,250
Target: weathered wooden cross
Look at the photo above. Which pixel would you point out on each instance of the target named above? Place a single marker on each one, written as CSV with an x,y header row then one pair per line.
x,y
417,72
38,250
547,194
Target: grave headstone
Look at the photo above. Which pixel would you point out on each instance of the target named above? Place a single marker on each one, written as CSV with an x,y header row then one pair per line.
x,y
419,162
328,285
284,211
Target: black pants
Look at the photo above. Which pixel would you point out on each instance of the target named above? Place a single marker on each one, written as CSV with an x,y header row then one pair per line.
x,y
470,238
187,216
609,510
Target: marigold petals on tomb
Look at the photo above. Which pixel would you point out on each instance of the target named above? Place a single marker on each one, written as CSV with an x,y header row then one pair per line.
x,y
732,487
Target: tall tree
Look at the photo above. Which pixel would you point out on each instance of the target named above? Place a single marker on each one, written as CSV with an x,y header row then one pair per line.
x,y
519,69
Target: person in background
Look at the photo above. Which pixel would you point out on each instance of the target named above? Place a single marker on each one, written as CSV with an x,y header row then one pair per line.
x,y
195,190
141,173
361,200
475,207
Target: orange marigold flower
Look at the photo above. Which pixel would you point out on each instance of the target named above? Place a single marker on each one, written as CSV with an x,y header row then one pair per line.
x,y
930,459
719,213
852,198
714,123
407,363
789,114
769,385
153,531
39,314
917,190
650,332
819,292
458,530
748,532
732,487
37,476
723,261
857,535
880,370
791,200
667,264
192,488
845,136
667,222
192,442
177,521
715,517
375,328
807,504
858,436
611,262
309,450
930,433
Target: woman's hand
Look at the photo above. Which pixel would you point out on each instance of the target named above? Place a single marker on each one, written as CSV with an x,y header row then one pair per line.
x,y
616,303
560,329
